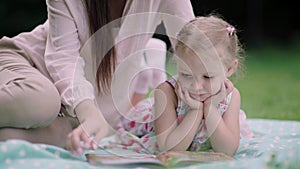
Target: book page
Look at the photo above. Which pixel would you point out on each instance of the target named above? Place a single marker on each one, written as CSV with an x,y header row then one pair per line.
x,y
174,158
168,159
124,159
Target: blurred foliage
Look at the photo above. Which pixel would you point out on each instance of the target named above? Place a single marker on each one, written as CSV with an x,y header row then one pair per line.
x,y
270,86
18,16
258,21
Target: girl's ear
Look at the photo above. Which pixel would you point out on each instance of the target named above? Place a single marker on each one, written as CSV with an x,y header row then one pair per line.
x,y
231,69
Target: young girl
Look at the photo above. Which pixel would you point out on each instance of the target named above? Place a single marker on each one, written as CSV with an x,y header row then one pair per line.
x,y
198,109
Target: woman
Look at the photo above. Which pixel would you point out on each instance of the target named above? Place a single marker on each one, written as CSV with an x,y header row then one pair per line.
x,y
82,57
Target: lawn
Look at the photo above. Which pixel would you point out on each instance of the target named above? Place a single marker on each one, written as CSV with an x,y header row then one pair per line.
x,y
270,86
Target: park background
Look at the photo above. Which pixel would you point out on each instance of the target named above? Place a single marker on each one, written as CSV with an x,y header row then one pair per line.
x,y
268,29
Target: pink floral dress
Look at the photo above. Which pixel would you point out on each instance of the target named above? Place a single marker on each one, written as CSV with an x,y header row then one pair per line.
x,y
136,132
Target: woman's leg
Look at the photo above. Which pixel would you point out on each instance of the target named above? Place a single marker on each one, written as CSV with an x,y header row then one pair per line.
x,y
29,101
53,134
156,59
154,73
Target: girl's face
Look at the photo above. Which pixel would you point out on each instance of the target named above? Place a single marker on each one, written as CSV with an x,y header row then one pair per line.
x,y
201,78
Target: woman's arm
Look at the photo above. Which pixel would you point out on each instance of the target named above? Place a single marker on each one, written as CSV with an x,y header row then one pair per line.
x,y
171,135
66,67
176,14
224,130
62,56
92,126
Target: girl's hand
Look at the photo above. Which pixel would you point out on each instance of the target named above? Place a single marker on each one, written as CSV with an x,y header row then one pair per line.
x,y
229,86
93,127
215,99
186,98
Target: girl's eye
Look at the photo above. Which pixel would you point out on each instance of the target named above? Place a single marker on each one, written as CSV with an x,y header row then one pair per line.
x,y
186,75
208,77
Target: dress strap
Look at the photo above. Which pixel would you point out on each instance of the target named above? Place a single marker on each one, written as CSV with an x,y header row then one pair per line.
x,y
172,81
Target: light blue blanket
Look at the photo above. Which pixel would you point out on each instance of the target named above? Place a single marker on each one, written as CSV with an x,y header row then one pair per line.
x,y
276,145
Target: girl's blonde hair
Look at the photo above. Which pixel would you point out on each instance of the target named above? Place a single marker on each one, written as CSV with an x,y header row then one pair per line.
x,y
209,32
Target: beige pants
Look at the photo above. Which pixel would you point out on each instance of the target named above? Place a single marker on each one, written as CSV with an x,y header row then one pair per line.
x,y
27,98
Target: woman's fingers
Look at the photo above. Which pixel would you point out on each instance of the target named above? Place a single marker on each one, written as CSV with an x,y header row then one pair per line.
x,y
79,139
73,142
97,132
93,127
97,138
85,137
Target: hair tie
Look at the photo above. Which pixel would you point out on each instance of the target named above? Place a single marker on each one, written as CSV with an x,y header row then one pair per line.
x,y
230,30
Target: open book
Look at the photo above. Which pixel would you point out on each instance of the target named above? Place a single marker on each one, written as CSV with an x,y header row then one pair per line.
x,y
166,159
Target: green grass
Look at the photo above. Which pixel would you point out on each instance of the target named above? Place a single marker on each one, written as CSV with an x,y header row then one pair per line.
x,y
270,87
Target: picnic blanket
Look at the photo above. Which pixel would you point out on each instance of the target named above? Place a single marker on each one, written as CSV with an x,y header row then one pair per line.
x,y
276,145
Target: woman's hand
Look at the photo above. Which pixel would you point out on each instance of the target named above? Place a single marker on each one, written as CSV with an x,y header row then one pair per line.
x,y
186,98
93,127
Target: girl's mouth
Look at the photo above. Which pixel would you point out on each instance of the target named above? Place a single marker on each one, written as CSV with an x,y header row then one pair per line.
x,y
199,97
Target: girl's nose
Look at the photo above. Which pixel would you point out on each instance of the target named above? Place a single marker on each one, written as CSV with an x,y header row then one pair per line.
x,y
197,84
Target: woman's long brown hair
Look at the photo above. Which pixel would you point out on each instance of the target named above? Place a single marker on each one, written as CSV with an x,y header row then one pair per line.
x,y
99,15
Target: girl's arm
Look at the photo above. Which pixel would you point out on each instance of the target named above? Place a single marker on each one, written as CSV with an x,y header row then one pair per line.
x,y
224,130
171,135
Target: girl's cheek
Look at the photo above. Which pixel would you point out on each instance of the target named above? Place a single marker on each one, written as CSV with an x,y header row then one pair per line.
x,y
184,84
215,87
181,82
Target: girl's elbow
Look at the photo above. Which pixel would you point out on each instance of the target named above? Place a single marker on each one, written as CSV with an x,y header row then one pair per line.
x,y
162,148
171,147
161,145
230,149
233,149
